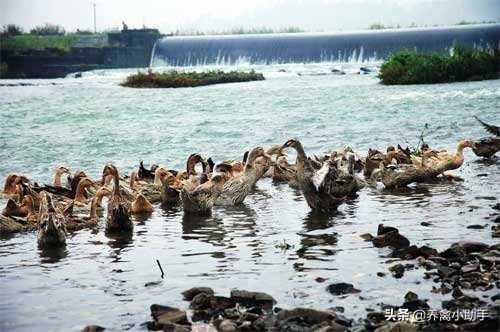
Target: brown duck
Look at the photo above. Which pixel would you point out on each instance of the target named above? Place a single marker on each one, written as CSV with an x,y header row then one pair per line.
x,y
118,219
236,189
324,189
51,224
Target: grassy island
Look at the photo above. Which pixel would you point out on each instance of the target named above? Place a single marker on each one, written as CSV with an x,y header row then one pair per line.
x,y
464,64
177,79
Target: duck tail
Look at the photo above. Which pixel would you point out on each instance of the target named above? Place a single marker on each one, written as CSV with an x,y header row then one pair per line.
x,y
489,128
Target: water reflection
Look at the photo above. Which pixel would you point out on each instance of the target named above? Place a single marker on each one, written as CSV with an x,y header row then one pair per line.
x,y
52,254
204,228
118,242
317,220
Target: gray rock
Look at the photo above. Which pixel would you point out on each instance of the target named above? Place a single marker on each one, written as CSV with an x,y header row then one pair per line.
x,y
93,328
314,316
341,288
192,292
393,239
251,299
397,270
164,314
201,301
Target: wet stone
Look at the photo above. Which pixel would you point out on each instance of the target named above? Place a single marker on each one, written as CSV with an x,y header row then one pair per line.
x,y
165,314
252,299
342,288
192,292
366,236
381,230
470,246
302,317
475,226
470,268
455,252
93,328
201,301
393,239
397,270
397,327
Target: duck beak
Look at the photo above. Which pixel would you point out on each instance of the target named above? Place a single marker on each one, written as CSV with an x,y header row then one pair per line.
x,y
266,155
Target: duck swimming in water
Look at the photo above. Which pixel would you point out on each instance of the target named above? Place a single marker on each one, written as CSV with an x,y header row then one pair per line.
x,y
487,147
200,200
59,171
146,174
323,189
51,224
238,187
11,184
118,219
25,209
439,162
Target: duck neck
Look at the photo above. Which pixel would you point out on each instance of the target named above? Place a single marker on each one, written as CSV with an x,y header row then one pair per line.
x,y
116,179
460,149
57,179
29,203
100,195
191,166
80,192
132,180
301,154
93,208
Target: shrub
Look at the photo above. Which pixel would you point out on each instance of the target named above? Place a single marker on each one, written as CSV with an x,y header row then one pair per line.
x,y
48,29
176,79
31,42
11,30
464,64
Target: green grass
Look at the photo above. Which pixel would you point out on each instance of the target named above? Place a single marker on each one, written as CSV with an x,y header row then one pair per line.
x,y
31,42
466,64
176,79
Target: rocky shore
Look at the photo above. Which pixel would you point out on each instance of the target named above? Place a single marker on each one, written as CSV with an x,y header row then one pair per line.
x,y
464,274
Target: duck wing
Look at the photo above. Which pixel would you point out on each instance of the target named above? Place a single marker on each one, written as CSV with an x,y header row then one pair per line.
x,y
495,130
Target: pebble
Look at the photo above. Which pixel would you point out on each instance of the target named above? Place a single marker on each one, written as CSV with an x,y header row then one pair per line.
x,y
397,270
192,292
342,288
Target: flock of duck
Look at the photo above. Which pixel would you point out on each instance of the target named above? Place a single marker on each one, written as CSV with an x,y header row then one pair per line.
x,y
325,181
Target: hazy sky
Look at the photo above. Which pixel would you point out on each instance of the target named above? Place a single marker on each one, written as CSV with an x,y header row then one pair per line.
x,y
168,15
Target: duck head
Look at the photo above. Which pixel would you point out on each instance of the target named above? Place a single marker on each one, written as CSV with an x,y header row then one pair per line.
x,y
465,143
160,173
60,170
226,169
109,169
292,143
12,181
295,144
194,159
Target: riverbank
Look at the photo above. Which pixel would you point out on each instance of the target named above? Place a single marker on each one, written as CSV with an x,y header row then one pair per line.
x,y
464,64
29,56
177,79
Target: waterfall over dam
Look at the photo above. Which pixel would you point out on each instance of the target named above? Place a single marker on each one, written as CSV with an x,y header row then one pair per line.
x,y
358,46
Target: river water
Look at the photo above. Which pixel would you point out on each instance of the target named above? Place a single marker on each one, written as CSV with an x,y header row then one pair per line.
x,y
87,122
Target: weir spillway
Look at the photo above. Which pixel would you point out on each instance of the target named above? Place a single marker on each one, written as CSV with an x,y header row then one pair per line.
x,y
358,46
